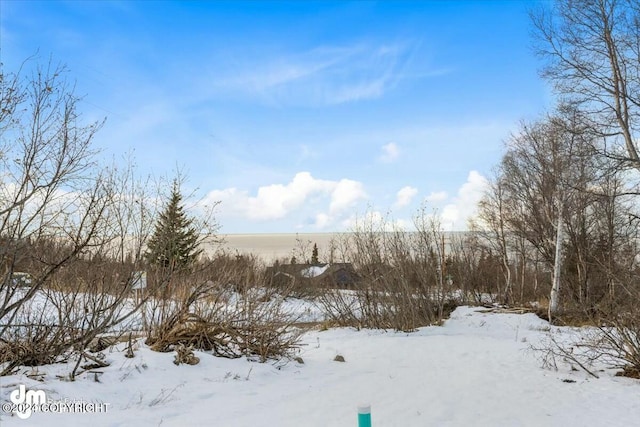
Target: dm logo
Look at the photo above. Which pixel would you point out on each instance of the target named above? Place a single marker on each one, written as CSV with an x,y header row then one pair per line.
x,y
25,400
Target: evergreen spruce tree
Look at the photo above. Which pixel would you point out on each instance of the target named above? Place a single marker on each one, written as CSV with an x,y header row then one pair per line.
x,y
314,255
174,243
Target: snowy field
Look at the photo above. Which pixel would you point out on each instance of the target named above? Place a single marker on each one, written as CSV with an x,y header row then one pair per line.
x,y
476,370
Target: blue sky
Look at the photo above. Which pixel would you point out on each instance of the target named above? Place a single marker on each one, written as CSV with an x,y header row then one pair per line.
x,y
298,116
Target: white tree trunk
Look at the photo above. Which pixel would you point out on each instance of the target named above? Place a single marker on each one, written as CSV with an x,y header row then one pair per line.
x,y
554,300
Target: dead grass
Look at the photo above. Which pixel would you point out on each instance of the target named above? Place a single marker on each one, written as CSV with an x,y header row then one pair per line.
x,y
629,372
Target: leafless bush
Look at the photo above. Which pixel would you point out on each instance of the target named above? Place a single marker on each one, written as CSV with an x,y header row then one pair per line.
x,y
224,313
567,350
612,341
75,306
616,345
403,280
342,308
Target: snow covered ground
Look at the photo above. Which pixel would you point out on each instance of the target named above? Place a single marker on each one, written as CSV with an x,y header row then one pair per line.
x,y
476,370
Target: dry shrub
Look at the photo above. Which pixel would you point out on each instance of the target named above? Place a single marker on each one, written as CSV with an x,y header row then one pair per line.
x,y
265,334
613,342
342,308
225,313
184,354
629,372
33,346
618,343
402,282
72,308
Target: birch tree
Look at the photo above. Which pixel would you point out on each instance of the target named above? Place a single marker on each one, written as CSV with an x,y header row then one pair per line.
x,y
591,50
494,229
534,194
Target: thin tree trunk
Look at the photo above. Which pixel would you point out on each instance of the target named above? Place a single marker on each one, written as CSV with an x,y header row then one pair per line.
x,y
554,300
507,278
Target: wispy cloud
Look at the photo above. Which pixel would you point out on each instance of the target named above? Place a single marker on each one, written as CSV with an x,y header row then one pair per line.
x,y
390,152
323,75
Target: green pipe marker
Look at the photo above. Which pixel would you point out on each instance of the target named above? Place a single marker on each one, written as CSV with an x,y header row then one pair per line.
x,y
364,416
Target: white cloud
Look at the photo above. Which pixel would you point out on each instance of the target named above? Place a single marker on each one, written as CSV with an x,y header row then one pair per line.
x,y
404,196
330,199
233,201
436,196
328,204
322,221
390,152
345,195
455,215
277,201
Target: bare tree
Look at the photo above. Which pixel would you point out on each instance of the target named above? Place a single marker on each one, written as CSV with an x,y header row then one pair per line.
x,y
46,161
67,221
539,197
592,49
493,227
